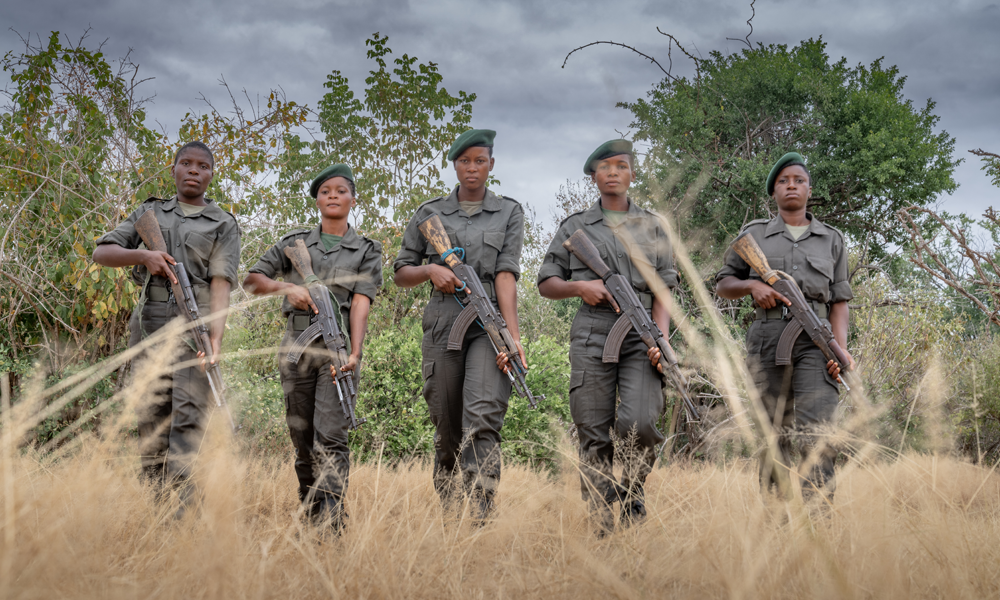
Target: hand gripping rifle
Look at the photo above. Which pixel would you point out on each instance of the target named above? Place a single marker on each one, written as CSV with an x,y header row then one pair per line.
x,y
148,229
325,325
633,316
478,306
803,316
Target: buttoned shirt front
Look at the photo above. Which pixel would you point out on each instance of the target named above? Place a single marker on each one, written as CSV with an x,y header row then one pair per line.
x,y
492,238
640,237
817,260
208,242
354,266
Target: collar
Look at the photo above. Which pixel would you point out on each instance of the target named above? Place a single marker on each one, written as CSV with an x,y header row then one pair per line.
x,y
777,226
491,202
350,240
594,214
211,210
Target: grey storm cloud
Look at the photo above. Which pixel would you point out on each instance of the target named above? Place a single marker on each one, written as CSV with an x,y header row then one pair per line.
x,y
510,53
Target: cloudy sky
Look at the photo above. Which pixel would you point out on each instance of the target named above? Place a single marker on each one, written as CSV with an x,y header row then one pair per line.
x,y
510,54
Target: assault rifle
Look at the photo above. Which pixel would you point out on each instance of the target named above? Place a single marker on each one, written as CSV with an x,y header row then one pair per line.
x,y
633,316
803,316
148,229
326,326
477,306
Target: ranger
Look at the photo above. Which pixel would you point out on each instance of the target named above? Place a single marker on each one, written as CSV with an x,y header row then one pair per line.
x,y
466,390
206,239
800,398
623,233
350,265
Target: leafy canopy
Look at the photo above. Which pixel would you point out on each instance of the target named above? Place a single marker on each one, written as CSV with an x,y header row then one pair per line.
x,y
870,151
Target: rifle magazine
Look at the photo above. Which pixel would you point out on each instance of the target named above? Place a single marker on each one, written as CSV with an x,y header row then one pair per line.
x,y
613,345
457,336
302,342
787,341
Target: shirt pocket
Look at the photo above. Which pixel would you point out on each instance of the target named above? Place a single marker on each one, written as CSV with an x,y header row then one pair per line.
x,y
818,278
342,286
492,245
642,257
199,246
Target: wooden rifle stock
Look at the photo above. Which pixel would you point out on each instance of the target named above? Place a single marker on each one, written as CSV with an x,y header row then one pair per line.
x,y
584,249
435,233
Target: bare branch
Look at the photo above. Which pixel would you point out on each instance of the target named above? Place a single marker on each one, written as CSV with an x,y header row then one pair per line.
x,y
626,46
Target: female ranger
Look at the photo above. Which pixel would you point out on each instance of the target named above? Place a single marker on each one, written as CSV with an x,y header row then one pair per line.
x,y
801,398
206,239
465,390
623,233
350,265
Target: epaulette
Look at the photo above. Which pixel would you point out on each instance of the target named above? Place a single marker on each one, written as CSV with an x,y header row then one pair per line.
x,y
757,222
579,212
295,232
429,201
511,199
375,243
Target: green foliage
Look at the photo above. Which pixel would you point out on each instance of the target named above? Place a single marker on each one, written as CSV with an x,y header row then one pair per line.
x,y
73,150
394,139
870,151
533,436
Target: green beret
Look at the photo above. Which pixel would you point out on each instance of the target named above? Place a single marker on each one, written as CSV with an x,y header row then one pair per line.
x,y
792,158
338,170
472,137
606,150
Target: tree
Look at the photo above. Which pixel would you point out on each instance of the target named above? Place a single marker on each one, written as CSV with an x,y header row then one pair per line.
x,y
394,139
870,151
991,164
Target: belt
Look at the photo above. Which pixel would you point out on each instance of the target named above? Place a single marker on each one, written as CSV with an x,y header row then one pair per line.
x,y
645,298
822,311
487,286
155,293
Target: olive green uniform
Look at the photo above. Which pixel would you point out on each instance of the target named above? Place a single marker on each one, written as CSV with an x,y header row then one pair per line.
x,y
315,418
465,391
594,383
208,243
801,398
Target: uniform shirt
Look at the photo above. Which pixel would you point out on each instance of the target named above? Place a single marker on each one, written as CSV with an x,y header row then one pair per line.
x,y
208,242
354,266
492,238
817,260
649,243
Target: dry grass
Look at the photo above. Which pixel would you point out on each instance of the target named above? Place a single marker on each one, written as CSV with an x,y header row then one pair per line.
x,y
84,527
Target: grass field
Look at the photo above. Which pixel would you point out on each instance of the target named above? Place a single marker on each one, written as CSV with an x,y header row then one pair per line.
x,y
83,527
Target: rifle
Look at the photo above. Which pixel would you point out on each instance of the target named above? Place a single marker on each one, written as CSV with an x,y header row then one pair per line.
x,y
803,316
478,306
148,229
633,316
325,325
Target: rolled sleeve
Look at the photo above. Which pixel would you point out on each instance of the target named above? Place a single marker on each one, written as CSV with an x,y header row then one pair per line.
x,y
225,259
509,258
556,261
665,266
125,234
840,291
273,264
733,266
414,246
370,272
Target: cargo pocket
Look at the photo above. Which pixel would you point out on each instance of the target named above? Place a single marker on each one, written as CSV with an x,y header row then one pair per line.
x,y
427,372
492,244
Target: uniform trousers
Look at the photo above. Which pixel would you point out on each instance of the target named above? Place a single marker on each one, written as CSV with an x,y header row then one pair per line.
x,y
316,424
172,421
467,398
801,402
594,386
